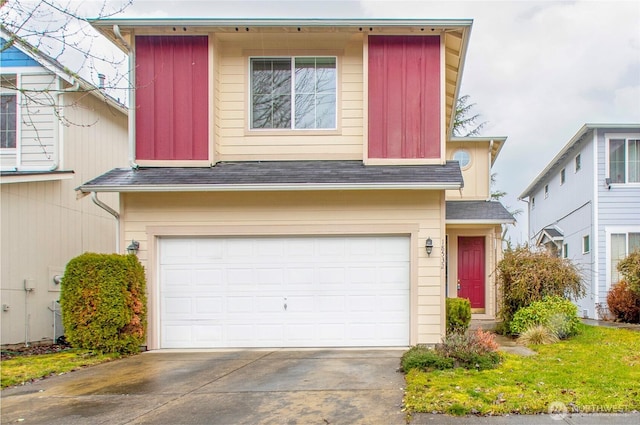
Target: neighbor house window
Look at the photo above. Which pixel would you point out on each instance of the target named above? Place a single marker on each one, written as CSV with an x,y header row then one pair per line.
x,y
546,190
8,118
586,244
562,176
578,163
622,244
293,93
533,202
624,160
565,251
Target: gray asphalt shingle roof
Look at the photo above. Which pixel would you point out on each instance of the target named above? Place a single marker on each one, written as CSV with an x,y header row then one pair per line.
x,y
478,211
266,174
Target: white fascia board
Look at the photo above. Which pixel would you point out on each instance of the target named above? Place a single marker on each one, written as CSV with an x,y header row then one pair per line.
x,y
269,187
274,22
35,177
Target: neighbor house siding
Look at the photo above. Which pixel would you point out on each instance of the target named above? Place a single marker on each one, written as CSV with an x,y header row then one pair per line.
x,y
619,208
302,213
38,122
172,98
44,225
404,97
237,142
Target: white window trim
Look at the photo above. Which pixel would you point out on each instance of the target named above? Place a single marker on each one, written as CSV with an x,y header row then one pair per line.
x,y
608,231
293,109
626,137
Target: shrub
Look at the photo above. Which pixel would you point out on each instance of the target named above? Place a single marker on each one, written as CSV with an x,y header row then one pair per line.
x,y
623,303
629,267
526,277
423,358
538,335
475,350
458,315
557,314
103,303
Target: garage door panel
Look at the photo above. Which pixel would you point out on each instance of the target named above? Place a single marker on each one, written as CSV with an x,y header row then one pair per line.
x,y
231,292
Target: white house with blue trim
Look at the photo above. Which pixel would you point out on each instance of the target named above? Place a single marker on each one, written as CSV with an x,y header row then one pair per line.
x,y
57,131
585,205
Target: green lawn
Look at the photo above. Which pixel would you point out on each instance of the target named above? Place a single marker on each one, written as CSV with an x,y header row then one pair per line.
x,y
597,371
18,370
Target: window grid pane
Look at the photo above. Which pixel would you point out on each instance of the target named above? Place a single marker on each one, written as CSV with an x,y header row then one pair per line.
x,y
616,161
8,118
271,93
634,161
315,100
618,252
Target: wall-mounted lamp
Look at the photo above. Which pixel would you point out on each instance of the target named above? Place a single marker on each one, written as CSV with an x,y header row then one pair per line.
x,y
607,182
57,279
133,247
429,246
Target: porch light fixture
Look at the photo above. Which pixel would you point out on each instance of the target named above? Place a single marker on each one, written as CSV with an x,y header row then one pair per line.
x,y
429,246
133,247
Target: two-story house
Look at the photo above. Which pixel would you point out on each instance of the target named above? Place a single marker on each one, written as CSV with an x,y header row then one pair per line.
x,y
293,183
585,205
58,131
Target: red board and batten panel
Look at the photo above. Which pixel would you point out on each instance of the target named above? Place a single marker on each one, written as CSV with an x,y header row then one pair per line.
x,y
172,98
404,97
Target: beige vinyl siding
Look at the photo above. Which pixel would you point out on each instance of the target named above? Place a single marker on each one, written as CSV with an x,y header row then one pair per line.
x,y
38,121
237,142
476,176
419,214
44,225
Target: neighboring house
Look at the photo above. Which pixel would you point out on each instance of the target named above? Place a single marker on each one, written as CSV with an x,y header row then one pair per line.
x,y
585,205
57,132
293,182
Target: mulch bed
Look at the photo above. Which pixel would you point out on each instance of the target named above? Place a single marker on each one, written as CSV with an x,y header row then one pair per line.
x,y
9,353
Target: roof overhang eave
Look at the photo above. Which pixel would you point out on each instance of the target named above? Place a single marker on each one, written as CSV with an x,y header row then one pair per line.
x,y
267,187
480,221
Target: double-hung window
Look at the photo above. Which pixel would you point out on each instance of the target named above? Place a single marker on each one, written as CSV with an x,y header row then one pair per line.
x,y
624,159
8,121
293,92
622,244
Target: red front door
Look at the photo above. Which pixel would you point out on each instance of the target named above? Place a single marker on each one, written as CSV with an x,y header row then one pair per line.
x,y
471,270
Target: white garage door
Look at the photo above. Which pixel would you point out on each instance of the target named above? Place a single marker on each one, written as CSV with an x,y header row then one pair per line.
x,y
284,292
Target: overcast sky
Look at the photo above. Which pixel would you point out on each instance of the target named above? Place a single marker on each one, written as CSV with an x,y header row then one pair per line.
x,y
536,70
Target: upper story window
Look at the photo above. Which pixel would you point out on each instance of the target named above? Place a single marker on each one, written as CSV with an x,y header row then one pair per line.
x,y
578,162
293,93
8,118
624,160
546,191
463,157
563,176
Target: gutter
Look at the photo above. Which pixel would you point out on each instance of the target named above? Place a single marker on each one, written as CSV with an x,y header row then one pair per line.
x,y
132,99
268,187
114,213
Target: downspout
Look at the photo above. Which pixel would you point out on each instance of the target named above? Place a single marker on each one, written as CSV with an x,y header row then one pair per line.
x,y
132,100
74,88
114,213
490,149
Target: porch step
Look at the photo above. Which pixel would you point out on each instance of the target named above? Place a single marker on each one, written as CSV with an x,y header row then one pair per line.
x,y
485,324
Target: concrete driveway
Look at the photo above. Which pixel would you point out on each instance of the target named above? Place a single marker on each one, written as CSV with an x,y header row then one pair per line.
x,y
227,387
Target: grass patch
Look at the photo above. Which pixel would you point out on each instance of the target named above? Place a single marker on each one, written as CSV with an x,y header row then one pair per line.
x,y
21,369
596,371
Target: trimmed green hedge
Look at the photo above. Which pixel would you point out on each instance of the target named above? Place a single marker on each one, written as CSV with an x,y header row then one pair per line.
x,y
103,300
458,315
